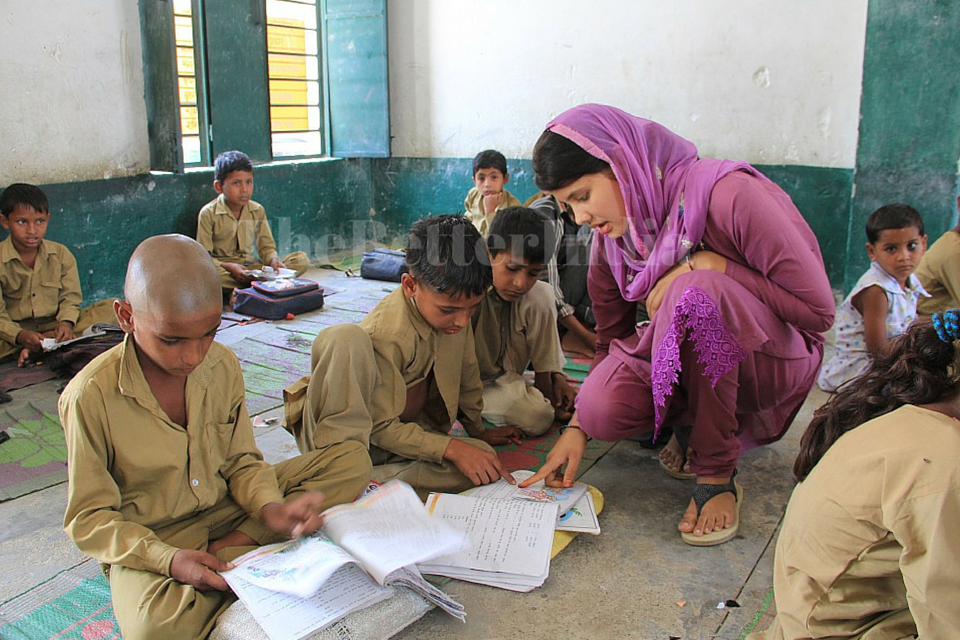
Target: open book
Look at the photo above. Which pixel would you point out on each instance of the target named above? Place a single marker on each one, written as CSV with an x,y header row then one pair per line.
x,y
574,504
301,586
507,545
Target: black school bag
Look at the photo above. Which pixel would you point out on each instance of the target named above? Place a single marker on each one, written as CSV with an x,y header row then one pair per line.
x,y
274,299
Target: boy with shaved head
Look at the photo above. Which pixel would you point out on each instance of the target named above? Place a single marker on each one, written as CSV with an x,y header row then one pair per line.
x,y
166,483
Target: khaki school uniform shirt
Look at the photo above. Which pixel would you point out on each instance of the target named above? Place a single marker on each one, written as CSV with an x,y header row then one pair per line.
x,y
407,351
49,291
511,336
868,547
228,239
132,470
939,273
473,207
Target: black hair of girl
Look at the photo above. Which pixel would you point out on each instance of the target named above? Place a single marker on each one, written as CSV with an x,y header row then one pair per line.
x,y
920,368
559,161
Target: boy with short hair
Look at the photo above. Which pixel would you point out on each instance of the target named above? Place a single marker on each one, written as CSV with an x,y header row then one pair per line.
x,y
883,303
166,483
39,279
234,229
488,195
516,327
397,381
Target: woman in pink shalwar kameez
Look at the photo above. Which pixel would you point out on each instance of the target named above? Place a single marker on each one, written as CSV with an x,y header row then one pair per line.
x,y
732,278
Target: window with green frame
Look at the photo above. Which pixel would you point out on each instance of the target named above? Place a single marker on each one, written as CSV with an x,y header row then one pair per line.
x,y
274,78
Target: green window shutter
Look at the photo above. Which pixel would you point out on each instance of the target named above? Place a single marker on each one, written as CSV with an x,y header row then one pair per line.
x,y
236,37
355,55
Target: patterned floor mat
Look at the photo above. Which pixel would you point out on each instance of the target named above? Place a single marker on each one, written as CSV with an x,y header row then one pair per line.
x,y
35,456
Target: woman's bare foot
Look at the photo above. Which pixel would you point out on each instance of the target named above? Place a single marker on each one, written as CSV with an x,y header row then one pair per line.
x,y
720,512
235,538
673,457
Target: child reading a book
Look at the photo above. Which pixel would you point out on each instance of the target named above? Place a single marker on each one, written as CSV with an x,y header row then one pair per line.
x,y
399,380
883,303
516,327
166,483
39,278
868,545
488,195
234,229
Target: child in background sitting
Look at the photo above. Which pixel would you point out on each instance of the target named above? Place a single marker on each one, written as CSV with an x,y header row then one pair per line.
x,y
883,303
488,195
39,278
234,229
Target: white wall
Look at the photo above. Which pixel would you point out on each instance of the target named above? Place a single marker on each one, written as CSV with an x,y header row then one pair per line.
x,y
72,91
768,81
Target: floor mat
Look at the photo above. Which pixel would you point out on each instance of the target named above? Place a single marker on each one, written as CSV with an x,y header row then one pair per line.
x,y
35,456
13,377
764,617
74,603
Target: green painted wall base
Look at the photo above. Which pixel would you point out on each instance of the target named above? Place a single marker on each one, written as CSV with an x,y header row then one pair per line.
x,y
910,118
324,207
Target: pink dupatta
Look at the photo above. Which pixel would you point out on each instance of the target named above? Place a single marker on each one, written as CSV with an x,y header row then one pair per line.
x,y
665,186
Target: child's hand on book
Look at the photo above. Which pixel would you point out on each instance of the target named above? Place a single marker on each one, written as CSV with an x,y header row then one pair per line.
x,y
63,331
479,465
297,517
199,570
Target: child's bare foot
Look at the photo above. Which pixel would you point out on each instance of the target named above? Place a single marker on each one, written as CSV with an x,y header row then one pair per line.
x,y
572,343
562,415
675,460
720,512
235,538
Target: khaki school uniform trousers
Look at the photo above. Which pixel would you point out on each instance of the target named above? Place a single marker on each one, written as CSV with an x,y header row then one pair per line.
x,y
101,311
344,400
152,606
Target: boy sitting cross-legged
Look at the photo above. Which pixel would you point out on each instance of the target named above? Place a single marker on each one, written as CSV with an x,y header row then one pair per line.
x,y
234,229
39,278
397,381
166,483
516,327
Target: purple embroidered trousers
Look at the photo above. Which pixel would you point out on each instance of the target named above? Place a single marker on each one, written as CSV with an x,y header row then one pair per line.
x,y
710,370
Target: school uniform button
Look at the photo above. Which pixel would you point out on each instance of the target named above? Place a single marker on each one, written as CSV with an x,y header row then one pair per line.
x,y
195,482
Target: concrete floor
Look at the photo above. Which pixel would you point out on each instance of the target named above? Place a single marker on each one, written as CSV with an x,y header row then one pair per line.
x,y
628,582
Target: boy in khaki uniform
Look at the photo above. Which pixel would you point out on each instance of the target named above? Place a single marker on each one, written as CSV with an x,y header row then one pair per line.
x,y
488,195
39,279
516,327
232,225
165,480
397,381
